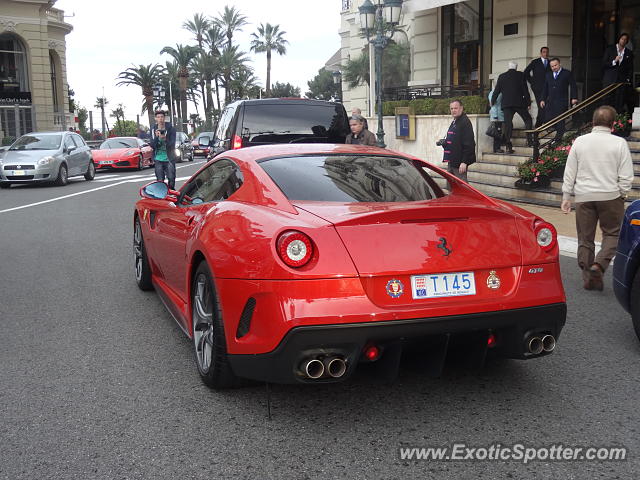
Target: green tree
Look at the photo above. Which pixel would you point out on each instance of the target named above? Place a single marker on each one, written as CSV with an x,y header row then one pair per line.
x,y
204,69
322,86
214,40
244,83
124,128
183,55
198,26
267,39
118,114
83,115
231,61
396,68
101,103
280,90
145,77
231,21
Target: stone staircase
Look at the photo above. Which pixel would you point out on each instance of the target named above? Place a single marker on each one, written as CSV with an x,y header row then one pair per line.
x,y
495,174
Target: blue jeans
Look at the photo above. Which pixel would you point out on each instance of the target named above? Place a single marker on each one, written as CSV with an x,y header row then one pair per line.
x,y
167,169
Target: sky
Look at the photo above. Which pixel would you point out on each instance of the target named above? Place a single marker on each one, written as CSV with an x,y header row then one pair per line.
x,y
106,41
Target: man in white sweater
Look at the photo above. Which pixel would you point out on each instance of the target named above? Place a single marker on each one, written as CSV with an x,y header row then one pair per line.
x,y
599,173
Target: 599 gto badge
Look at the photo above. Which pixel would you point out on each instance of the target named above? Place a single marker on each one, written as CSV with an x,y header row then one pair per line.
x,y
395,288
493,281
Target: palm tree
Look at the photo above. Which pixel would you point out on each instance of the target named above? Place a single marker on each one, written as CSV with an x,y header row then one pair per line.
x,y
243,82
118,114
204,68
170,82
144,76
231,20
198,26
214,39
183,55
268,38
101,102
231,60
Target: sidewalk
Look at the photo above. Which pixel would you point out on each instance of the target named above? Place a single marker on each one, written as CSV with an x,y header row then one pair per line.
x,y
565,225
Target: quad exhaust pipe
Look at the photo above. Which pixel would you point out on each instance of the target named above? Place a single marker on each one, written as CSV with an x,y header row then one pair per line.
x,y
536,345
314,368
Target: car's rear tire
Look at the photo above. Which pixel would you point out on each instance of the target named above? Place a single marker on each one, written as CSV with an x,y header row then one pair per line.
x,y
209,343
63,176
634,296
143,270
5,185
91,172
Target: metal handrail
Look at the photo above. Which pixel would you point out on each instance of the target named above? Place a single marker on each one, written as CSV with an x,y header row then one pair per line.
x,y
571,112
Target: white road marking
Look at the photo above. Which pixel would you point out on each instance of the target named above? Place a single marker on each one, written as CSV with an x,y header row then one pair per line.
x,y
131,179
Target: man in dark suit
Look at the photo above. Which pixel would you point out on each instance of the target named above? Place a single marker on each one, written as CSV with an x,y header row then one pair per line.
x,y
515,99
617,67
535,74
555,100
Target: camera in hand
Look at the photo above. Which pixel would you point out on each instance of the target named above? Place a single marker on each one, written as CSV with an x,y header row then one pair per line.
x,y
162,132
441,142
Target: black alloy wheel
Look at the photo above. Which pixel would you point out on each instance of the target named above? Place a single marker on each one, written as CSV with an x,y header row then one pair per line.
x,y
143,270
209,344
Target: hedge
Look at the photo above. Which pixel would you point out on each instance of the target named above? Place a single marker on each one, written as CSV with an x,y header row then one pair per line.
x,y
473,105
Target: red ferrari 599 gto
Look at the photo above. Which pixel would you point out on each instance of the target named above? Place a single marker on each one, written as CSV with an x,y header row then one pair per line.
x,y
297,263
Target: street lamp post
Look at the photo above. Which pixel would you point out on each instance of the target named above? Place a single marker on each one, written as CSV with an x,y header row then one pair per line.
x,y
159,93
379,19
337,81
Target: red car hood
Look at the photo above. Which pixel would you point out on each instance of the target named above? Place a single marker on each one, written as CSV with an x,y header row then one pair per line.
x,y
438,236
112,154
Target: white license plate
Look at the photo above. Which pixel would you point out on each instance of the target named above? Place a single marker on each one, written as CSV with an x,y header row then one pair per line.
x,y
106,162
443,285
19,172
199,151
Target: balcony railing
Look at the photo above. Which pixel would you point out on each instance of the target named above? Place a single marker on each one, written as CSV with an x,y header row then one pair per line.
x,y
55,14
432,91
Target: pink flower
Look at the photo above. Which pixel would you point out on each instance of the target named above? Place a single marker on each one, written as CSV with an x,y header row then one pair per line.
x,y
535,179
629,121
533,169
555,159
540,161
537,174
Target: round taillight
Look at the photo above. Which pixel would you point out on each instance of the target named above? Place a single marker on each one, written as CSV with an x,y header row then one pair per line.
x,y
295,248
545,235
371,353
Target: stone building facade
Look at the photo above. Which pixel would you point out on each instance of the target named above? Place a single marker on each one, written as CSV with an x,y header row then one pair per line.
x,y
33,79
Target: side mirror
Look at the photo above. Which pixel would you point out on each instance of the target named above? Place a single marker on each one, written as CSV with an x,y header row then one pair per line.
x,y
69,149
155,190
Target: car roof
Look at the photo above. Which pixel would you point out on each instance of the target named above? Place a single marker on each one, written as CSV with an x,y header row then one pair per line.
x,y
285,101
287,149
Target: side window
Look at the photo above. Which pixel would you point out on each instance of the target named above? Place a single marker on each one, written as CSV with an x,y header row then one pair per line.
x,y
215,183
79,140
222,125
228,134
68,142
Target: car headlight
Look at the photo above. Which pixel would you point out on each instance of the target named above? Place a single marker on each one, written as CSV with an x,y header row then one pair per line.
x,y
178,152
130,152
45,161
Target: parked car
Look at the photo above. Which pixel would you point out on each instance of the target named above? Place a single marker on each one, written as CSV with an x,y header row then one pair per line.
x,y
184,148
201,143
247,123
123,152
626,268
297,263
46,157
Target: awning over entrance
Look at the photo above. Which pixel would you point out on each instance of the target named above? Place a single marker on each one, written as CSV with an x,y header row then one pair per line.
x,y
417,5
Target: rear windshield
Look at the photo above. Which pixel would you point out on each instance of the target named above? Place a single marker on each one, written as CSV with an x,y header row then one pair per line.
x,y
352,178
291,122
114,143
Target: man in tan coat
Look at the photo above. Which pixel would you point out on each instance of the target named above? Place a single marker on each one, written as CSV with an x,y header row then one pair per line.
x,y
599,173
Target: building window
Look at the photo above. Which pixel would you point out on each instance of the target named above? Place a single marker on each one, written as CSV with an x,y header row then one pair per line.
x,y
462,38
54,83
13,65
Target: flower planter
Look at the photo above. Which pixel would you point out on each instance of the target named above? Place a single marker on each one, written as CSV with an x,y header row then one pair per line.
x,y
542,182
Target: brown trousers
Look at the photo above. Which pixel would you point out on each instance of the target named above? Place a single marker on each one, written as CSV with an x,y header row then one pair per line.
x,y
610,214
456,172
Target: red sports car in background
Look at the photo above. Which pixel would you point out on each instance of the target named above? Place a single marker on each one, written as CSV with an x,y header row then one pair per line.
x,y
297,263
123,152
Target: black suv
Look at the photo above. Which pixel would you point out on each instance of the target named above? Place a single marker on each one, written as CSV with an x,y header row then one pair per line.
x,y
247,123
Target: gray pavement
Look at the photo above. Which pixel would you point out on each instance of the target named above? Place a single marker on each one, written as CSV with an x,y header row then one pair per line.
x,y
99,382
